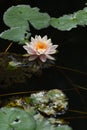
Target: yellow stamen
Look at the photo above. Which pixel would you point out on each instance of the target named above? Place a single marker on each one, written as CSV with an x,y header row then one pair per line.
x,y
41,45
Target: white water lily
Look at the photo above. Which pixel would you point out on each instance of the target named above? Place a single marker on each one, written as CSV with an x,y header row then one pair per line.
x,y
41,48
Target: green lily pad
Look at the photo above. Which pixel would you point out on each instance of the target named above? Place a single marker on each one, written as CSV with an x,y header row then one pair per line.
x,y
45,125
16,119
16,34
20,15
64,127
15,16
40,20
66,22
81,16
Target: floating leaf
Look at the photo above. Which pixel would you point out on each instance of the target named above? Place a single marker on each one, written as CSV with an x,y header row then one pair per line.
x,y
66,22
18,18
63,127
20,15
39,20
81,16
45,125
16,119
15,16
14,34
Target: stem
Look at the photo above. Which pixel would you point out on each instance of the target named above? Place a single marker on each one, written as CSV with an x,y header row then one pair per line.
x,y
75,117
17,93
6,50
76,111
70,69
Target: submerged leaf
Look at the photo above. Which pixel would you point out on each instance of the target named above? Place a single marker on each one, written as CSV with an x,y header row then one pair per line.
x,y
50,103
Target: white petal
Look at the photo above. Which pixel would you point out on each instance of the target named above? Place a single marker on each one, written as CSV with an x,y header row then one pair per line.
x,y
51,49
29,50
36,36
49,42
25,47
50,57
39,38
27,43
33,43
43,58
32,39
33,57
44,38
41,51
54,47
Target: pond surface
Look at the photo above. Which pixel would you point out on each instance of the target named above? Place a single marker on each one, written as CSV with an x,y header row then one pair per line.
x,y
68,73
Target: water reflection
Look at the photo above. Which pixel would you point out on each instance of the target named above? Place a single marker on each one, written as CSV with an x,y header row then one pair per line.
x,y
16,68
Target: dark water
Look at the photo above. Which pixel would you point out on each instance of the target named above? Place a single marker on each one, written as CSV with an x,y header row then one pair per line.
x,y
72,54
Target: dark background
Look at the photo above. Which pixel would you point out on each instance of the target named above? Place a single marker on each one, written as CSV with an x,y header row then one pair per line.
x,y
72,54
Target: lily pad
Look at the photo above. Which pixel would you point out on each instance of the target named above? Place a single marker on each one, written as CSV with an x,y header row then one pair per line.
x,y
15,16
16,34
81,16
40,20
16,119
66,22
20,15
45,125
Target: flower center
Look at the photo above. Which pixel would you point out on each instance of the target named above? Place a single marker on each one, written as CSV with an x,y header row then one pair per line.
x,y
41,46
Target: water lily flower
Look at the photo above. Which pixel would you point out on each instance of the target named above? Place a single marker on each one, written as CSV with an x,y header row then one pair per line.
x,y
41,48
